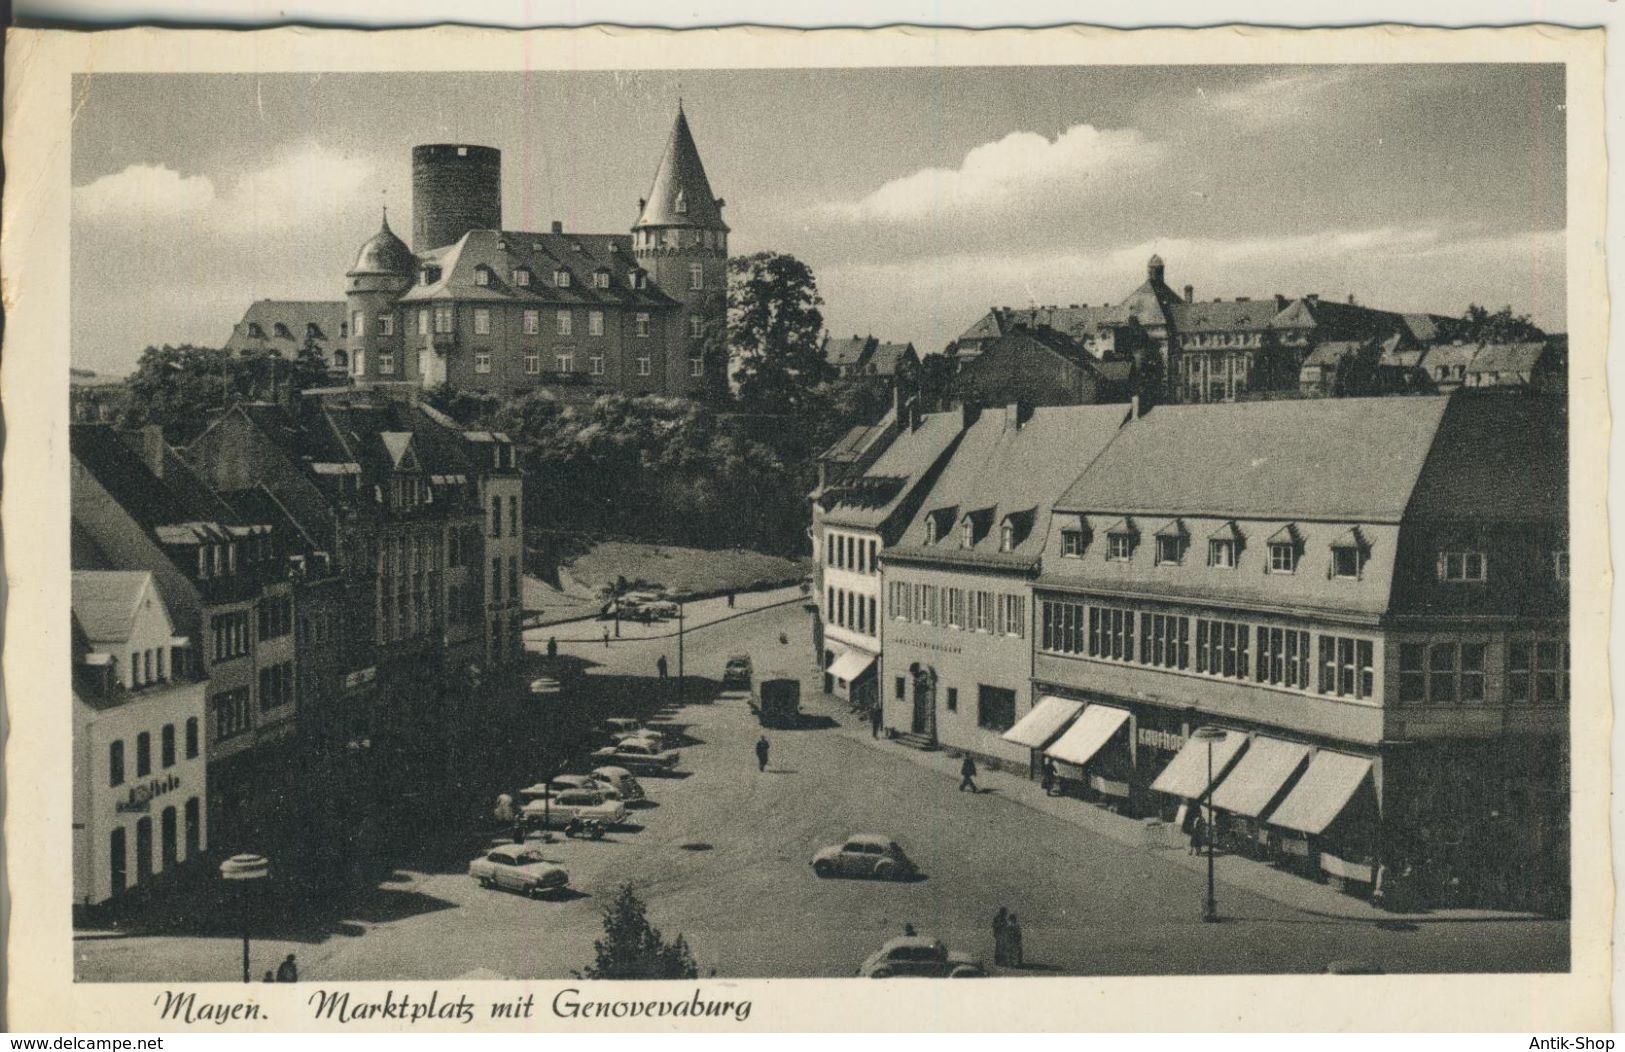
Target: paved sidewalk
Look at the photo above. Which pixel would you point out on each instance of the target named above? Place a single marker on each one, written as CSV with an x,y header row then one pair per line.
x,y
701,613
1256,877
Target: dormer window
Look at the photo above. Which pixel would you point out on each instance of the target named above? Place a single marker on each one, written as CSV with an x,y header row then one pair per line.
x,y
431,275
1283,557
967,534
1072,542
281,331
682,203
1170,549
1119,547
1463,567
255,331
313,331
1221,553
600,279
1007,537
561,278
482,276
931,529
521,278
640,279
1348,555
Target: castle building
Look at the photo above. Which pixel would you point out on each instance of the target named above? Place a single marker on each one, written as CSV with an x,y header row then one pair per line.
x,y
484,308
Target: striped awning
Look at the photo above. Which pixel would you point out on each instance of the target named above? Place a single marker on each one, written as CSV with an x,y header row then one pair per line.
x,y
1186,774
1044,722
1088,735
1322,793
1259,775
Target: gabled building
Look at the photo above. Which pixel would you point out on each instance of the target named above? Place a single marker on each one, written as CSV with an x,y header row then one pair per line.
x,y
1379,641
862,357
1043,367
853,523
140,783
287,327
957,581
487,308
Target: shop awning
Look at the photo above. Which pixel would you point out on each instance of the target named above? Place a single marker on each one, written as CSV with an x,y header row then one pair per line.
x,y
1084,738
1035,729
1255,780
1186,774
852,664
1322,793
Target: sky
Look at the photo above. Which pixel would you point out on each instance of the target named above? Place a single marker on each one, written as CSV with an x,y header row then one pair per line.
x,y
920,197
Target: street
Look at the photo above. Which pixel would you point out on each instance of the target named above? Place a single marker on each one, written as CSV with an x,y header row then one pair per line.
x,y
722,856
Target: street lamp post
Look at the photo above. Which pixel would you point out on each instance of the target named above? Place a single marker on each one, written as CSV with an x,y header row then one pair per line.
x,y
680,683
246,870
1210,905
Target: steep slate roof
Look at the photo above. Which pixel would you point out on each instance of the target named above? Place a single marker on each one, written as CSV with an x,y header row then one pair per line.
x,y
1153,303
887,356
283,325
1450,356
910,456
1347,459
1496,459
105,602
1332,352
1244,315
1001,472
122,472
504,251
681,174
1506,358
846,352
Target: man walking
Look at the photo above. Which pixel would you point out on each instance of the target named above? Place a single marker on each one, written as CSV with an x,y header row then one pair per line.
x,y
967,775
660,666
1001,927
287,971
552,646
606,639
874,720
761,753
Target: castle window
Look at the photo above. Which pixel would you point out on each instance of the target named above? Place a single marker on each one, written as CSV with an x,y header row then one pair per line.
x,y
595,364
565,323
282,331
642,321
445,318
696,326
521,278
532,322
386,362
356,318
482,321
565,361
482,361
386,324
360,362
255,331
533,363
423,323
341,360
696,367
682,203
696,275
482,276
561,278
600,279
595,323
640,279
643,365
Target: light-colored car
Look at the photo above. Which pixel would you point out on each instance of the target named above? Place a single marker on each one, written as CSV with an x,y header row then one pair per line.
x,y
648,737
621,780
552,810
565,782
518,868
637,755
919,955
737,672
865,855
619,727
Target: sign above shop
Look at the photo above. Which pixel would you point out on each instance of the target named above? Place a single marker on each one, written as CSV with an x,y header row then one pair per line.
x,y
140,797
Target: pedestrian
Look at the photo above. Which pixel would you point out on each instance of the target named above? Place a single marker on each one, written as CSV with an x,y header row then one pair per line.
x,y
730,600
518,829
1198,835
874,720
287,971
552,646
660,666
1001,932
270,976
1048,781
761,753
1012,943
967,775
504,812
606,637
783,638
908,928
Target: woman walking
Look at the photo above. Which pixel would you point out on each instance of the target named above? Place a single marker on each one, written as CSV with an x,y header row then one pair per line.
x,y
1012,943
1001,935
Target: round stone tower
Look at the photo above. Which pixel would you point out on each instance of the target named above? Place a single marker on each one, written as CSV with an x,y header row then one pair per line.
x,y
383,270
455,189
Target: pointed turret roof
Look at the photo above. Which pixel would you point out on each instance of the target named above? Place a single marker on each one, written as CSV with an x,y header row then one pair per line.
x,y
681,195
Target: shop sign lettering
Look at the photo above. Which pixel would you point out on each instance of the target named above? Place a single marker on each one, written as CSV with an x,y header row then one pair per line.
x,y
141,796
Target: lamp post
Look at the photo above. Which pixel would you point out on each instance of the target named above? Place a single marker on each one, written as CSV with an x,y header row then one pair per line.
x,y
680,683
245,870
1210,905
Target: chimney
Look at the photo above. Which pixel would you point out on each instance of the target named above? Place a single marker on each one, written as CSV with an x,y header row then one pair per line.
x,y
558,227
1312,297
152,448
1190,293
1280,302
1134,407
968,414
1015,414
1351,299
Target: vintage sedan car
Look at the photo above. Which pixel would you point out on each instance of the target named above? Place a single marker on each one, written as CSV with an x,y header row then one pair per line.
x,y
518,868
919,955
619,727
565,782
865,855
554,810
637,755
652,738
621,780
737,672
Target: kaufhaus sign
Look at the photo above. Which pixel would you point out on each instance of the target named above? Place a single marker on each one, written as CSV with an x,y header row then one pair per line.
x,y
140,797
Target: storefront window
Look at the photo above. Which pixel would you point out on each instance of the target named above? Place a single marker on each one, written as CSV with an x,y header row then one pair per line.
x,y
1412,673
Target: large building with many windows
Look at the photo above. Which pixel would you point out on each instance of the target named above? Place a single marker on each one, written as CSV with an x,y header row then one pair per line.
x,y
481,307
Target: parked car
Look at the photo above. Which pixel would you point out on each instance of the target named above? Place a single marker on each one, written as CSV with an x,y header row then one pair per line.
x,y
737,672
919,955
553,810
648,737
777,700
637,755
566,782
865,855
620,779
619,727
518,868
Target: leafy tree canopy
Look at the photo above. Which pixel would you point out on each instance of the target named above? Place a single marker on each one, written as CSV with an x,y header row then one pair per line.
x,y
632,948
1480,325
774,332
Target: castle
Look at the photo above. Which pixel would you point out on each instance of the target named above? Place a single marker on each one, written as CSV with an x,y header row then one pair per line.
x,y
484,308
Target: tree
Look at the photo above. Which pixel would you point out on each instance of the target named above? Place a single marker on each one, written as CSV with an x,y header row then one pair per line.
x,y
1479,325
310,365
179,388
632,948
774,329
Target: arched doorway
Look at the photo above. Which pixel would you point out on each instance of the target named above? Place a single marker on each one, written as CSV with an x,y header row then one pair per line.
x,y
924,720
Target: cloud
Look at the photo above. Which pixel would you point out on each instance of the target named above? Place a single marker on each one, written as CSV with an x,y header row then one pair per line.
x,y
1278,98
143,191
1022,171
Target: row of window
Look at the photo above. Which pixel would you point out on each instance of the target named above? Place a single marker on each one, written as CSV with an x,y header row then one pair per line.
x,y
1446,673
496,579
563,278
231,713
229,635
995,613
672,237
151,666
276,686
565,362
117,843
275,617
995,706
496,517
1209,647
844,551
220,560
143,752
850,610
